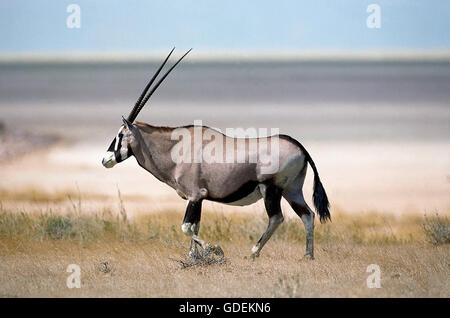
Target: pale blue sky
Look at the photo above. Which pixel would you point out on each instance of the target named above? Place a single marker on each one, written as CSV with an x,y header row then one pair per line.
x,y
144,26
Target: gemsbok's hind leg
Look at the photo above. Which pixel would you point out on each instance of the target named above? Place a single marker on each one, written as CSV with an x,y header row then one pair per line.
x,y
307,216
191,226
272,199
294,195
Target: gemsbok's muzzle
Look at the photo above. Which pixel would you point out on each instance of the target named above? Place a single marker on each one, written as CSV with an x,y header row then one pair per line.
x,y
109,160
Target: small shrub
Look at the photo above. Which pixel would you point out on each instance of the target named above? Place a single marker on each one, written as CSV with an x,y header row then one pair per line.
x,y
57,227
437,230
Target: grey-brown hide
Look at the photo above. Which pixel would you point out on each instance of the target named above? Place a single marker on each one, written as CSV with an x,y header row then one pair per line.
x,y
190,180
230,182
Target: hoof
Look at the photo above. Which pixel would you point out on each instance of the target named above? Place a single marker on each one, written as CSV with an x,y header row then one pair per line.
x,y
194,254
252,256
308,257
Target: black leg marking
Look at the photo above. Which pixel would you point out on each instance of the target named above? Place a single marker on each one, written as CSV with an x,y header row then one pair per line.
x,y
191,225
193,212
299,209
272,200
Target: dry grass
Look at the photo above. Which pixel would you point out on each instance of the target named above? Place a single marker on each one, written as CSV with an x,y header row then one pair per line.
x,y
437,229
141,257
38,195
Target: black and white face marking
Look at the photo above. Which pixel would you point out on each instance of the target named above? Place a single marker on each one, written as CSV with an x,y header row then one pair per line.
x,y
118,151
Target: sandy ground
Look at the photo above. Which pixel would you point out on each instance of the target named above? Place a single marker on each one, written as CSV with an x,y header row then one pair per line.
x,y
152,270
147,257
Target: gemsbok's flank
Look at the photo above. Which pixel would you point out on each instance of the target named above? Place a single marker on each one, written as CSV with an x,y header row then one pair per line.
x,y
236,182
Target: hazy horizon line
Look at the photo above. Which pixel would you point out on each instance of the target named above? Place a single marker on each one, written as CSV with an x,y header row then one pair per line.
x,y
230,56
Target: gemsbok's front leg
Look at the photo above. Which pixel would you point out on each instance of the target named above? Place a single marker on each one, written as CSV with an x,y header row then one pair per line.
x,y
191,226
193,252
272,199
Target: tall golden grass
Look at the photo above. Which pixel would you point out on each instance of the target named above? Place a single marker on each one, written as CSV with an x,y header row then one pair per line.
x,y
365,228
127,257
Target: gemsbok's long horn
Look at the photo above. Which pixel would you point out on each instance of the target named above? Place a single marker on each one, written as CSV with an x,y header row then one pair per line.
x,y
160,81
135,111
134,114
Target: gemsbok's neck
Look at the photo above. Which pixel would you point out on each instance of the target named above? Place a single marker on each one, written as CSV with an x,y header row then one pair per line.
x,y
153,151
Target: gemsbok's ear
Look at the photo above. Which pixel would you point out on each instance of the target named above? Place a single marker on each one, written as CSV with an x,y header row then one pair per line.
x,y
127,123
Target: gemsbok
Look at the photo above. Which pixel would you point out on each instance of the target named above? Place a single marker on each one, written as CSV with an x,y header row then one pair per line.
x,y
238,175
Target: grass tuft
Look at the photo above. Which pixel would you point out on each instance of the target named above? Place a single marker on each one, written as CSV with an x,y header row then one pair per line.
x,y
437,229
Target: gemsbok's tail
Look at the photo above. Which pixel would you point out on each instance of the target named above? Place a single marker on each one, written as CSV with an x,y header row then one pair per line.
x,y
320,198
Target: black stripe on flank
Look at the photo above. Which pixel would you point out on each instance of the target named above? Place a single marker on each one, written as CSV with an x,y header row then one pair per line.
x,y
239,194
